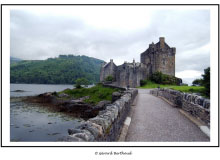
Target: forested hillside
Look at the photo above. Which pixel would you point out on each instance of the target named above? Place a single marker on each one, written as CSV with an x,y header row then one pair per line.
x,y
61,70
14,60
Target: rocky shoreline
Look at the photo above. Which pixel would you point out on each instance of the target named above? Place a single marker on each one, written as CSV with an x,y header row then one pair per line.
x,y
101,122
77,107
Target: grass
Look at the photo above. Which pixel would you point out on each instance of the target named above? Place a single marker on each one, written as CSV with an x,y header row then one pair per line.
x,y
151,84
96,93
188,89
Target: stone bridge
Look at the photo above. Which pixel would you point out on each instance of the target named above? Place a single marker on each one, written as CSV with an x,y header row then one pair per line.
x,y
155,119
159,115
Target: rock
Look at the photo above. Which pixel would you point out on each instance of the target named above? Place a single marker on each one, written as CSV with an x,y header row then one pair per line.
x,y
85,136
63,95
90,127
80,100
200,101
102,105
115,96
18,90
69,138
102,121
72,138
76,101
73,131
54,93
84,98
206,104
47,98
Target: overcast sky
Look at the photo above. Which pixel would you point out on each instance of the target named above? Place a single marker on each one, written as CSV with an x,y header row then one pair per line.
x,y
121,33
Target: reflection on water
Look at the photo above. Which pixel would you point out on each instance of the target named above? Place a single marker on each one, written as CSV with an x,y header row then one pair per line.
x,y
31,122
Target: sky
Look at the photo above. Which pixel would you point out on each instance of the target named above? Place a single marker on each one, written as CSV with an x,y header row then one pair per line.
x,y
120,33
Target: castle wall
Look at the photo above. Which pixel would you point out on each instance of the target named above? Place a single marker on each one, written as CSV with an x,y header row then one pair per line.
x,y
130,74
165,63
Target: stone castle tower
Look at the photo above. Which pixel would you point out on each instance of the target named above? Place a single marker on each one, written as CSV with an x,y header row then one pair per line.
x,y
158,57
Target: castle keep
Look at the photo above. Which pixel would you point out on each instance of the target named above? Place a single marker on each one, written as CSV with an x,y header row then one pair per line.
x,y
158,57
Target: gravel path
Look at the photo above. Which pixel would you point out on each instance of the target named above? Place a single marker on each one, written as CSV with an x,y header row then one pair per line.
x,y
154,120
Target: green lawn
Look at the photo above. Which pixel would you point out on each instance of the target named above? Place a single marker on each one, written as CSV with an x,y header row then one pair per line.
x,y
96,93
189,89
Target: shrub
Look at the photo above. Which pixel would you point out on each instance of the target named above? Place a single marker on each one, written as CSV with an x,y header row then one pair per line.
x,y
205,82
161,78
157,77
197,82
143,82
109,78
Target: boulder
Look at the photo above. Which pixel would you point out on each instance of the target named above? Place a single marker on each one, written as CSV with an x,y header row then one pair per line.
x,y
116,96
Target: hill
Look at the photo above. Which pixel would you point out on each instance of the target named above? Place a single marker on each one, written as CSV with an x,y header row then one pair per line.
x,y
14,60
64,69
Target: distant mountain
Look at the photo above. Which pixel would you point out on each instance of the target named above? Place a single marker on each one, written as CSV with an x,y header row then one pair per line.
x,y
62,70
13,59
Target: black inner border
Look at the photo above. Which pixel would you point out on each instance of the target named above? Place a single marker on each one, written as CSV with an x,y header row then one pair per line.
x,y
110,5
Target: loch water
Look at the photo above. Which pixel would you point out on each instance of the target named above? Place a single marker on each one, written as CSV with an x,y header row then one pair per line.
x,y
34,123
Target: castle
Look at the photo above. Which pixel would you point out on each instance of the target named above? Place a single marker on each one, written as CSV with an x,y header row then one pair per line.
x,y
158,57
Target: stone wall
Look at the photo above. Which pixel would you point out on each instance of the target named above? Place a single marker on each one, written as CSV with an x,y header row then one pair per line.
x,y
197,106
107,125
130,74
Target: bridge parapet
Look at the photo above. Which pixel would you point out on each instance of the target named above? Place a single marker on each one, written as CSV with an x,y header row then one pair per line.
x,y
197,106
107,125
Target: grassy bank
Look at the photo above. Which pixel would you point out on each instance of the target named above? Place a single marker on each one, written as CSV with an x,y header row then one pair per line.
x,y
96,93
188,89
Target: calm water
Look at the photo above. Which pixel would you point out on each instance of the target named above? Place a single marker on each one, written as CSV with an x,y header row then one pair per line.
x,y
31,122
34,89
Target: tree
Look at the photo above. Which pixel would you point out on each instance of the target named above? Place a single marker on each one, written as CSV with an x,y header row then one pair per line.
x,y
81,81
61,70
197,82
206,81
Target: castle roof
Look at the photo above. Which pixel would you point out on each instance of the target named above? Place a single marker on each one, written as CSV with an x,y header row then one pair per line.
x,y
157,47
107,64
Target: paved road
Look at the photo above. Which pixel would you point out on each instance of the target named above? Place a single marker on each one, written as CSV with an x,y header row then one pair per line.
x,y
154,120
